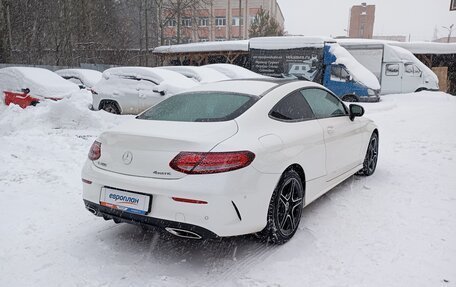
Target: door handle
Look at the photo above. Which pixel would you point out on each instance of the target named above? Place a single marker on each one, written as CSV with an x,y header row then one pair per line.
x,y
330,130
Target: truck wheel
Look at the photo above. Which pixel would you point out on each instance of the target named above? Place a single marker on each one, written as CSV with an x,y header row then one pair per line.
x,y
350,98
110,107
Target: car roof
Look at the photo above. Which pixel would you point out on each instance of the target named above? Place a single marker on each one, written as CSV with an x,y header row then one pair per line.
x,y
255,87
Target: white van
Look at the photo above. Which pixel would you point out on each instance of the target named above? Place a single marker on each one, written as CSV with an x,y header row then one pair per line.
x,y
397,69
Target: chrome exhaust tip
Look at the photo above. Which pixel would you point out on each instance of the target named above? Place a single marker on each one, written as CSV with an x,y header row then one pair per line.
x,y
183,233
92,210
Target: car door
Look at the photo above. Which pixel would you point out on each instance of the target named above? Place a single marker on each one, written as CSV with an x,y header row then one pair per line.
x,y
343,137
412,78
148,94
392,79
302,137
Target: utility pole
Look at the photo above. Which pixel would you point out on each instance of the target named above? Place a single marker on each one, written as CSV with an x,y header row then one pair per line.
x,y
240,19
450,31
146,24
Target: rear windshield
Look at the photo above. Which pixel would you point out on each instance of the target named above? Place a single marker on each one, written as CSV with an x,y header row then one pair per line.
x,y
200,107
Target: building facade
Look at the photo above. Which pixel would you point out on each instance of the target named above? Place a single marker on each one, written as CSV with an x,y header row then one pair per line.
x,y
220,20
362,18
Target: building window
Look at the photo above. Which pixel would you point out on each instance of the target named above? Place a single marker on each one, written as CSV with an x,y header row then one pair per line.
x,y
203,22
220,39
187,40
171,23
204,40
220,21
236,21
186,22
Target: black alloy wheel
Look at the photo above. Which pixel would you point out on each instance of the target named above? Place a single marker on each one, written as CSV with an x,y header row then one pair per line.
x,y
370,161
285,209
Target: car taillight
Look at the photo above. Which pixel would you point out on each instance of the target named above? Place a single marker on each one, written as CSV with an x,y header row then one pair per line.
x,y
211,162
95,151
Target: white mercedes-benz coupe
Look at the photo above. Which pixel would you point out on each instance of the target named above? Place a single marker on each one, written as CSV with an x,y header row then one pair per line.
x,y
229,158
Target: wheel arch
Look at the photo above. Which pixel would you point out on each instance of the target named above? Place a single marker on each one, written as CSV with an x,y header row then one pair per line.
x,y
347,96
298,168
105,101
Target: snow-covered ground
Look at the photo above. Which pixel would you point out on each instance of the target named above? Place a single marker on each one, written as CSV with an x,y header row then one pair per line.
x,y
395,228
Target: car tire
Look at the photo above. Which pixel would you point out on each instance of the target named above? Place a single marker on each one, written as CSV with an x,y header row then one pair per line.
x,y
285,209
110,107
370,161
350,98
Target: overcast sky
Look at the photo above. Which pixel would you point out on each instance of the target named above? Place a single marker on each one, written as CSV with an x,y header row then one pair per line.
x,y
392,17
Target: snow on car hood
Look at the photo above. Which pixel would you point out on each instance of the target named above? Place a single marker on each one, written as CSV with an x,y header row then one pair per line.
x,y
41,82
358,71
168,81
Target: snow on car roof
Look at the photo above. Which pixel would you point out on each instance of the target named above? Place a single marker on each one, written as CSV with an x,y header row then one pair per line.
x,y
41,82
235,72
167,80
88,77
238,45
358,71
200,74
250,87
289,42
427,47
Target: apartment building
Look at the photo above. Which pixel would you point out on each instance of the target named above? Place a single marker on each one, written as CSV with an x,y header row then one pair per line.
x,y
362,18
220,20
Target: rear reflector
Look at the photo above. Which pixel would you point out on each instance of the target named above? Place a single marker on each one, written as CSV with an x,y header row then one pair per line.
x,y
86,181
95,151
211,162
186,200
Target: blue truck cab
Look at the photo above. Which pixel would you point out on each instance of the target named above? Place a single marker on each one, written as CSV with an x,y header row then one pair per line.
x,y
315,59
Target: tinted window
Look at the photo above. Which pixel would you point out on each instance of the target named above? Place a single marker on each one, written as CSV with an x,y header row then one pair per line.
x,y
200,107
324,104
292,108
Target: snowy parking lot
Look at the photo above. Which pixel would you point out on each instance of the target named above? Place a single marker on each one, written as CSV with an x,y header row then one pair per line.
x,y
395,228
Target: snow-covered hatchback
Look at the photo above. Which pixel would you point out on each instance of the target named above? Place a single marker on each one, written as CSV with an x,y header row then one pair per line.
x,y
229,158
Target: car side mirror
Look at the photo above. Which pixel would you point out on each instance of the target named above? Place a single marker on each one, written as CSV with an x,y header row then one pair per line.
x,y
161,92
356,111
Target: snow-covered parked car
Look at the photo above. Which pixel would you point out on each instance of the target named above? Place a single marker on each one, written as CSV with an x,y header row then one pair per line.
x,y
235,72
199,74
229,158
131,90
27,86
84,78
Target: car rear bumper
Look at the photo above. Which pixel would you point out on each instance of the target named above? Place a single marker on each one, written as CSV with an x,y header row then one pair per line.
x,y
125,217
237,202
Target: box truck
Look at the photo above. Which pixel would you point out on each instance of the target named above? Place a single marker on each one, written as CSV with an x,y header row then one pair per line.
x,y
321,60
396,68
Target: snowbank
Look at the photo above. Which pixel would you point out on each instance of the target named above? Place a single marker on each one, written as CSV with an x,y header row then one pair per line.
x,y
88,77
41,82
358,71
67,114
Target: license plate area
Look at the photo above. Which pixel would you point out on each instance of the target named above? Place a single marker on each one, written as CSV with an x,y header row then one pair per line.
x,y
126,201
